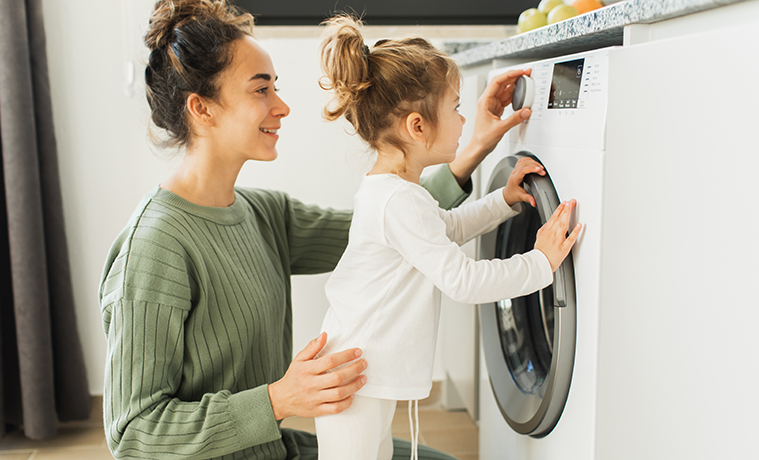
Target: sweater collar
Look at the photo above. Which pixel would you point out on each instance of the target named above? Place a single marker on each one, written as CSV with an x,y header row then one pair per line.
x,y
229,215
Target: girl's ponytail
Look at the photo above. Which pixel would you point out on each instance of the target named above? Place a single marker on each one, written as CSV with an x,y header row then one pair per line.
x,y
345,63
375,88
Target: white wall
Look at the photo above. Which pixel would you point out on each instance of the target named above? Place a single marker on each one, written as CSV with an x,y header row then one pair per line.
x,y
107,162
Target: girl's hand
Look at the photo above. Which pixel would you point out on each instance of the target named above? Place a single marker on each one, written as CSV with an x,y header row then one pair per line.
x,y
514,192
552,239
488,126
308,389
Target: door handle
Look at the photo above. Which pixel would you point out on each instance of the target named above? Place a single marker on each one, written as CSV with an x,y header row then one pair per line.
x,y
559,287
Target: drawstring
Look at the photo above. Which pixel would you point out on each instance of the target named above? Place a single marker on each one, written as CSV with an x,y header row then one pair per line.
x,y
414,429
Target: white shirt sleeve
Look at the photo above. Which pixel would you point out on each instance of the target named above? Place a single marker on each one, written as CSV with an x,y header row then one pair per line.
x,y
414,228
471,220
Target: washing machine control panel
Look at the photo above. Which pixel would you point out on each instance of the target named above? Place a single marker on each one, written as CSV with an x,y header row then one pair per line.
x,y
568,100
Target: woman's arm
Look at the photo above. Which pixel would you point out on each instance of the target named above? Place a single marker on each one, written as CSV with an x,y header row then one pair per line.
x,y
144,415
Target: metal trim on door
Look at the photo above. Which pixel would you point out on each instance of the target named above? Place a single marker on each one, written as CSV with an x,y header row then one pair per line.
x,y
533,408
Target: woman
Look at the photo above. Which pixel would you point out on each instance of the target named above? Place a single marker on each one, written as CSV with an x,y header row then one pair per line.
x,y
195,294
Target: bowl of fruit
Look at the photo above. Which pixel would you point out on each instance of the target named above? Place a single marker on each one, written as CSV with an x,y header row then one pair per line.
x,y
553,11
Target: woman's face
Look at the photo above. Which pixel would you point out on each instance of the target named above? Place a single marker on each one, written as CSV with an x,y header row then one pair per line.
x,y
249,112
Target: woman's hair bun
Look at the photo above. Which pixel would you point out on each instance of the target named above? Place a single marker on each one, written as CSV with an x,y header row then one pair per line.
x,y
190,44
170,15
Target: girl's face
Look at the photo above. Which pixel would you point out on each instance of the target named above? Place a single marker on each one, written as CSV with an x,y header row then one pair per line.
x,y
249,112
450,124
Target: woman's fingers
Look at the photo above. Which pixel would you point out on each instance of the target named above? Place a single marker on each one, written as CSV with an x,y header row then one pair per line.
x,y
333,360
312,349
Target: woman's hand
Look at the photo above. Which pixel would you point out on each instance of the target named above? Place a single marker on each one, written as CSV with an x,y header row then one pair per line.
x,y
309,389
552,239
514,192
488,126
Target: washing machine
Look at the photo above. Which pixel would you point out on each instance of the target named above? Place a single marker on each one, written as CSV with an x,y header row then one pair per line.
x,y
642,347
541,349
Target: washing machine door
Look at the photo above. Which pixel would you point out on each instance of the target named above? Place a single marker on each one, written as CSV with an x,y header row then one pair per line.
x,y
529,341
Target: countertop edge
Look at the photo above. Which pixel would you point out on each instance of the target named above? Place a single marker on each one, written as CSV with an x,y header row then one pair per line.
x,y
595,29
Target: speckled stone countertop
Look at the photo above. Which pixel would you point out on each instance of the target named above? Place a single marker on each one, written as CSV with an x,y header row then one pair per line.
x,y
596,29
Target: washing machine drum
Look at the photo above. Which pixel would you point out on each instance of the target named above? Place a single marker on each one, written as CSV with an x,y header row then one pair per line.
x,y
529,341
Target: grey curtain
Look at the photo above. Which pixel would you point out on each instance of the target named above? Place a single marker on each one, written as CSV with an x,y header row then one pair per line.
x,y
43,377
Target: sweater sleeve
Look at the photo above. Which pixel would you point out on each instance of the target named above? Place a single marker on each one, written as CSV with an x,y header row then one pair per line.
x,y
471,220
146,299
413,228
143,418
317,237
444,187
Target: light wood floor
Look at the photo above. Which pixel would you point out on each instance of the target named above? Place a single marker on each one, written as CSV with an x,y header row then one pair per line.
x,y
450,432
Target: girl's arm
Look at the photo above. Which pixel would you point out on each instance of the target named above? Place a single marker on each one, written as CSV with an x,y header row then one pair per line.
x,y
317,237
474,219
413,228
488,126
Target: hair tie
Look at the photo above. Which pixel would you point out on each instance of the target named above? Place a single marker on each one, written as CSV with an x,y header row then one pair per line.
x,y
366,50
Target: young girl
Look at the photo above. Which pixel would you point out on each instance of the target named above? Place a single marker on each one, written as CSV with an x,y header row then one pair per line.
x,y
401,97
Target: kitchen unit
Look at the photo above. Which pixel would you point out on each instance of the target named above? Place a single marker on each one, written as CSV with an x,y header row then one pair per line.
x,y
664,347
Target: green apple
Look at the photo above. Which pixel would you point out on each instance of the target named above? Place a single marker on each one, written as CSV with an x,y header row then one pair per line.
x,y
531,19
546,6
561,13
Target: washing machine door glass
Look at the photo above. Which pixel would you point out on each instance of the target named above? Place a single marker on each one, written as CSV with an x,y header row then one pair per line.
x,y
529,342
526,323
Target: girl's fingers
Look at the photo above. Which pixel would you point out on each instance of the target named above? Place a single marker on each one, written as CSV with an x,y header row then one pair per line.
x,y
572,238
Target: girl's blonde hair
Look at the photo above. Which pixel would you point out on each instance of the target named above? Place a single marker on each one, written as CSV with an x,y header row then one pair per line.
x,y
376,88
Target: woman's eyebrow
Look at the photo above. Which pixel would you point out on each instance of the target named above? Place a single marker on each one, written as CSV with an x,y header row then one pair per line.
x,y
263,76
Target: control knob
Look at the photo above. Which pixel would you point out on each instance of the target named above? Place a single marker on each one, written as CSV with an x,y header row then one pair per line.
x,y
524,92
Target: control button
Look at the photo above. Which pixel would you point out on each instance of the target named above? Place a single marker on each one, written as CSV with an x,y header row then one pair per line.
x,y
524,92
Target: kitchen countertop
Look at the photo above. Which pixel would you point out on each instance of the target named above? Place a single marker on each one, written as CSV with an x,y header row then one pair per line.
x,y
596,29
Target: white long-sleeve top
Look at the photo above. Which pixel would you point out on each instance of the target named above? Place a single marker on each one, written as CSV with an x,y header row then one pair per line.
x,y
402,251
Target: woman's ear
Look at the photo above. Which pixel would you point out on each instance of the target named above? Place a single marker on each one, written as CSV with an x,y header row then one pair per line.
x,y
199,111
417,127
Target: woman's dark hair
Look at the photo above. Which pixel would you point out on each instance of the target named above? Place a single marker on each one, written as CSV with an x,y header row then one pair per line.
x,y
190,44
375,88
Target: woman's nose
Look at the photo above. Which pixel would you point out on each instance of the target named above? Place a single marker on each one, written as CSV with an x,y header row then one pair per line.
x,y
281,109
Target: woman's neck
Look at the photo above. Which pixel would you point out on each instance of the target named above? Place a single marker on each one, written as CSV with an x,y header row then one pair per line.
x,y
204,179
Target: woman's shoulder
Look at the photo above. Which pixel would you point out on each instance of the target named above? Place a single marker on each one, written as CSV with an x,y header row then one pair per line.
x,y
155,244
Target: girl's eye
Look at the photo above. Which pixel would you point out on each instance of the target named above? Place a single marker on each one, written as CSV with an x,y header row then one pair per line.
x,y
457,107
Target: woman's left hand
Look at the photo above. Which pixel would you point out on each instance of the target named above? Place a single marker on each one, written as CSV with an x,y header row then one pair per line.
x,y
489,128
514,192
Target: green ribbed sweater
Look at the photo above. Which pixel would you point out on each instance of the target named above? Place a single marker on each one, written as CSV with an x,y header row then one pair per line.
x,y
196,309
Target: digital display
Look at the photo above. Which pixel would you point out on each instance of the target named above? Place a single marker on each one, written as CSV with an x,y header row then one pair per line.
x,y
565,84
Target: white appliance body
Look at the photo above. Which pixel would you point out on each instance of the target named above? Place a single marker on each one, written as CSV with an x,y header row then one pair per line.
x,y
570,142
662,158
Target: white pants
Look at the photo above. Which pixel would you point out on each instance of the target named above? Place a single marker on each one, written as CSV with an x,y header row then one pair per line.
x,y
361,432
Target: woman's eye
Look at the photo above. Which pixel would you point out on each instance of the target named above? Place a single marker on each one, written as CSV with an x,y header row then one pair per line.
x,y
458,107
265,90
